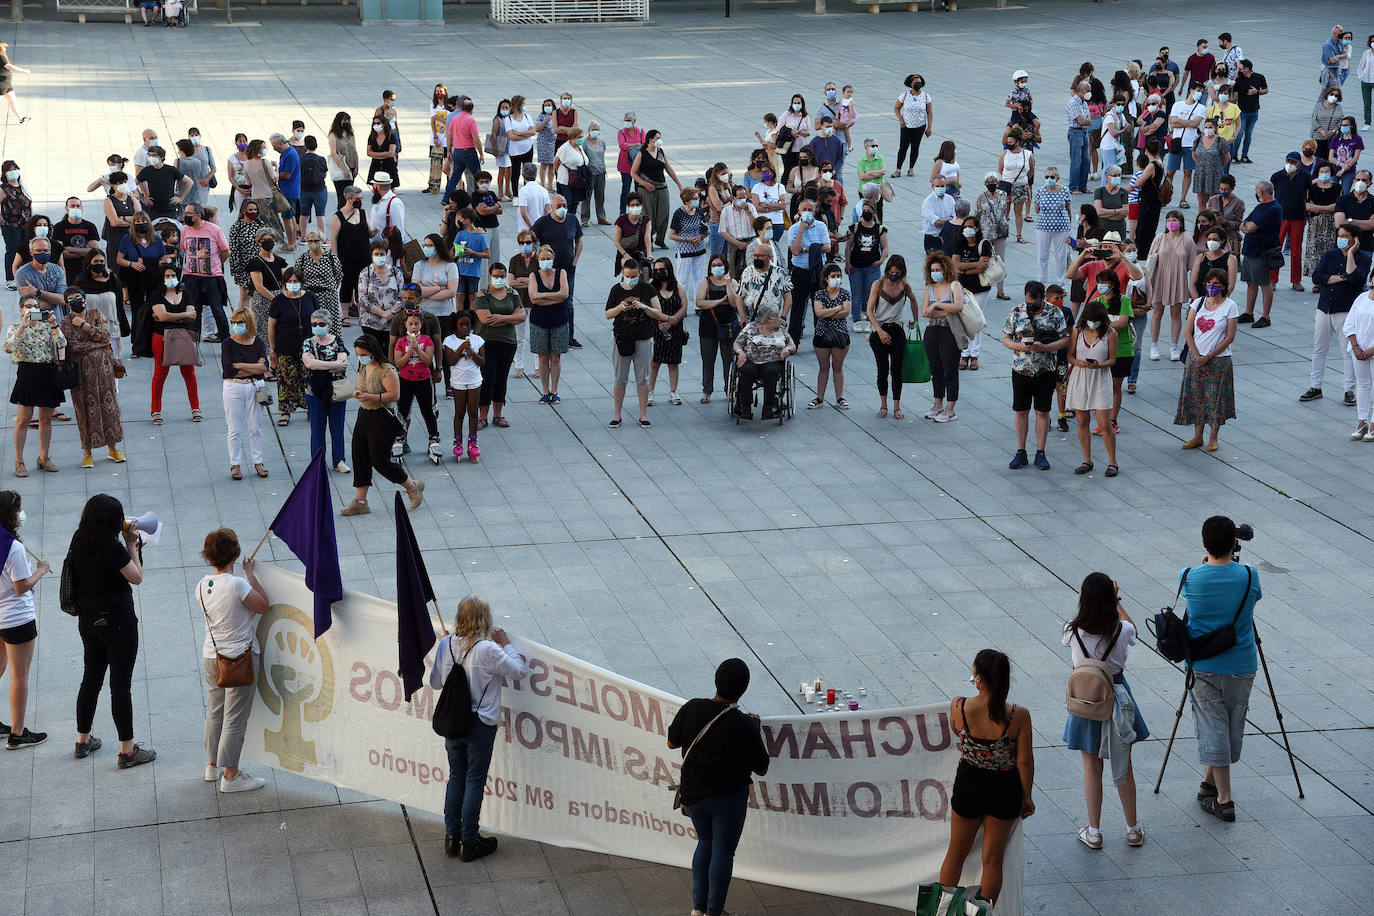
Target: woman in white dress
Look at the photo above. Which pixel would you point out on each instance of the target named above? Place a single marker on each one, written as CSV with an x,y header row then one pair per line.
x,y
1092,352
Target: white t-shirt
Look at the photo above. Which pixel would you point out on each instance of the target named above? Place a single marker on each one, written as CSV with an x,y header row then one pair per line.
x,y
1209,327
767,195
485,665
519,147
1185,110
465,373
233,625
1095,644
438,137
534,201
16,609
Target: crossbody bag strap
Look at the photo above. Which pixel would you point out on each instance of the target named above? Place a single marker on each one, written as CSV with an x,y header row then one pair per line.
x,y
1249,580
706,729
209,628
764,288
465,658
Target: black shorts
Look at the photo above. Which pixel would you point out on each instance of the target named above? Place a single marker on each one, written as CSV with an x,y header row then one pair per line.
x,y
1122,367
17,636
1028,389
979,793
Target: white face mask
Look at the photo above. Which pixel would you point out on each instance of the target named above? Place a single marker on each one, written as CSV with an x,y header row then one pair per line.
x,y
1213,245
1094,325
1360,187
1290,168
833,282
23,517
1331,100
155,161
634,211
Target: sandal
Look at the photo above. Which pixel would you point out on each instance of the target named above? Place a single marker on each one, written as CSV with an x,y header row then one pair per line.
x,y
1020,241
196,415
59,415
897,414
501,422
284,420
973,364
482,424
1004,296
157,418
1083,468
235,472
1130,387
262,471
963,362
20,470
705,399
1112,470
882,412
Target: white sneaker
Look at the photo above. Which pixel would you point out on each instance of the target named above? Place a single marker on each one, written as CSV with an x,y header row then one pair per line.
x,y
241,783
342,468
1173,354
211,772
934,412
651,399
1360,432
673,398
946,415
1154,353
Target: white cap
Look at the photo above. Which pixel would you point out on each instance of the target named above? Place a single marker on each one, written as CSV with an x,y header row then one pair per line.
x,y
1020,75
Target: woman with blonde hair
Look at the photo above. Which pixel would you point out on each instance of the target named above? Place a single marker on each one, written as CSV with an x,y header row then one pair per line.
x,y
486,655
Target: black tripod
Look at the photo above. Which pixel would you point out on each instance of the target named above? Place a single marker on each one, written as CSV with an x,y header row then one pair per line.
x,y
1278,714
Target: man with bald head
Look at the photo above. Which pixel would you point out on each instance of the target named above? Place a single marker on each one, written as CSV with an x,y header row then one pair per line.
x,y
563,233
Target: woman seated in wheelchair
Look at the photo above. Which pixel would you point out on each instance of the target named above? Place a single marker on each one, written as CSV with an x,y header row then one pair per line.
x,y
759,353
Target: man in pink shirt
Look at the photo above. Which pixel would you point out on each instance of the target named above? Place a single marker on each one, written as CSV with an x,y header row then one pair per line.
x,y
465,146
206,248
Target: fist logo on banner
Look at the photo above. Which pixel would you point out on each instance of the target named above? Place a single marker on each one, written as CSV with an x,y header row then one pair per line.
x,y
296,682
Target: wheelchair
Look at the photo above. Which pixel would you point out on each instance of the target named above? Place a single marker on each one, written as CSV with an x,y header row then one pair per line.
x,y
787,392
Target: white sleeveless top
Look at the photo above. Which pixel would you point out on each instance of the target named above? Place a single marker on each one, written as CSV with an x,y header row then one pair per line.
x,y
1016,167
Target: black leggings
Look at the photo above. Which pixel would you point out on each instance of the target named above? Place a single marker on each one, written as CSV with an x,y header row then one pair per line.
x,y
889,357
516,164
108,642
338,192
910,139
943,354
711,344
373,433
422,392
496,372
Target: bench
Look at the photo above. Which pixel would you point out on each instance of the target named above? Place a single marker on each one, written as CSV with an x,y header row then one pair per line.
x,y
125,8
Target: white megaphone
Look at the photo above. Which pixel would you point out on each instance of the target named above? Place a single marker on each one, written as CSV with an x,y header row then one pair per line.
x,y
147,525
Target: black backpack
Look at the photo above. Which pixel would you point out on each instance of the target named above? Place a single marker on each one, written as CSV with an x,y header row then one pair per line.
x,y
1171,631
453,713
314,170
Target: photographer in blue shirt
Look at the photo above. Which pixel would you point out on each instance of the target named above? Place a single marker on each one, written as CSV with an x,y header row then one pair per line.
x,y
1221,591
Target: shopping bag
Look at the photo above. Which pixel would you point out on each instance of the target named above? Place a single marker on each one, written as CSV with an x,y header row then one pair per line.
x,y
915,365
938,900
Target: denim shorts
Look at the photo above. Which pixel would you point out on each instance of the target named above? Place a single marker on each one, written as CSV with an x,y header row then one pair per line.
x,y
1219,705
318,201
1185,157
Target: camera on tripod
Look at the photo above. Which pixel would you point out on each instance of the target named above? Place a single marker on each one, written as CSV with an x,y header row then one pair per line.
x,y
1243,533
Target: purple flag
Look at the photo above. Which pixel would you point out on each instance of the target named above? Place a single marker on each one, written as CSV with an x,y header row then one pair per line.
x,y
415,631
306,525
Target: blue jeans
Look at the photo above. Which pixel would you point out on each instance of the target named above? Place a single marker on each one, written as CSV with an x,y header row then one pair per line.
x,y
468,759
1138,329
1245,134
322,415
626,182
719,821
463,160
202,292
1078,159
715,242
860,284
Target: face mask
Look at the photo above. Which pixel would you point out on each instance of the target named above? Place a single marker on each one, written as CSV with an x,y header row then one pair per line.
x,y
833,282
767,177
565,102
717,271
1173,225
319,330
364,359
546,264
868,216
548,109
293,287
1331,100
298,134
939,192
740,202
828,175
1103,289
239,327
760,263
936,276
1342,243
1290,168
77,305
1225,192
808,217
1213,289
42,258
873,150
377,128
74,212
1209,131
428,250
1113,181
1361,186
629,282
1051,181
1345,130
1324,177
1197,96
830,93
1020,84
12,174
1213,245
97,267
242,147
561,212
1094,325
1152,107
593,134
970,233
155,161
796,106
171,282
1223,98
634,211
505,112
40,232
1118,108
379,260
268,244
251,217
629,124
827,131
498,282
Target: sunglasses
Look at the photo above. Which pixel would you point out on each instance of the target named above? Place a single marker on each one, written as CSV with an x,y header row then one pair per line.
x,y
318,325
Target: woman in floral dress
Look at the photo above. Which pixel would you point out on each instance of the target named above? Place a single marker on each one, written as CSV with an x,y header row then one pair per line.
x,y
95,401
323,272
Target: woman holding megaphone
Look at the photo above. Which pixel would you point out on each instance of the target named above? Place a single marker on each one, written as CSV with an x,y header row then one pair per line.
x,y
101,590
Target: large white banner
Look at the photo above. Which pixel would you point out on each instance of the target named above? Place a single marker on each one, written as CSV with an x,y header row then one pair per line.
x,y
855,804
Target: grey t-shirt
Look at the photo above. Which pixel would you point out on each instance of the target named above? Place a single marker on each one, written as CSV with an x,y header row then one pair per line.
x,y
1112,200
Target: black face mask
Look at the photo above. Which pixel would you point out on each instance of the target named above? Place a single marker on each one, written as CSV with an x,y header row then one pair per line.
x,y
98,268
77,306
893,278
1034,307
376,198
661,276
760,263
268,243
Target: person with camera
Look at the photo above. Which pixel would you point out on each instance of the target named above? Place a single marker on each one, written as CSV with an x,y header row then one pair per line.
x,y
1034,335
634,321
721,746
1221,595
1102,630
484,653
34,344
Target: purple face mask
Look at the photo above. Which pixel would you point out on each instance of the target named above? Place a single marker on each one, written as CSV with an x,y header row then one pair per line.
x,y
1213,289
243,147
767,177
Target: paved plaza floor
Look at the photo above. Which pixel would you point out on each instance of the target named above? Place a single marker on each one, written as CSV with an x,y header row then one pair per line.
x,y
860,550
